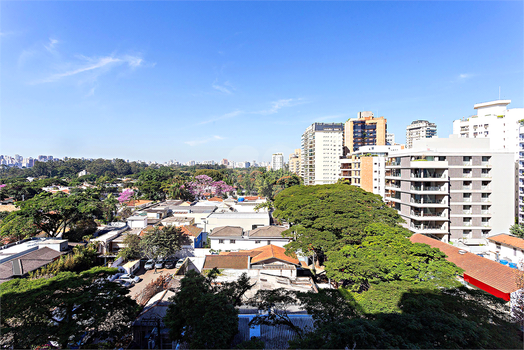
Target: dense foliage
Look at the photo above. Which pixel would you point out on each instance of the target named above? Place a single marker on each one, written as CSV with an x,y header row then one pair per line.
x,y
162,242
67,308
203,316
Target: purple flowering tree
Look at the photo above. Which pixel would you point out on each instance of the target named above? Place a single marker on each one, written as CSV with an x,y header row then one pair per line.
x,y
220,188
3,185
204,183
200,185
125,196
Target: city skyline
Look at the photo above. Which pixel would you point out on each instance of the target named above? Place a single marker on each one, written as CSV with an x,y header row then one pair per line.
x,y
242,80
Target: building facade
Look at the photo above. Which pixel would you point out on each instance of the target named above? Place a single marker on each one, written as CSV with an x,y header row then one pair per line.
x,y
521,173
390,139
454,189
419,129
366,168
321,152
366,130
294,161
494,121
277,161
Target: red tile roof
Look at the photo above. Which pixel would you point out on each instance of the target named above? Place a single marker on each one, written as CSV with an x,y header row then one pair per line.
x,y
512,241
265,253
191,230
237,262
487,272
216,199
135,203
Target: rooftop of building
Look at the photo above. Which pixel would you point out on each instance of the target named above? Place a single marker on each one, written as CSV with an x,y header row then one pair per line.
x,y
28,262
267,231
227,231
509,240
234,262
487,271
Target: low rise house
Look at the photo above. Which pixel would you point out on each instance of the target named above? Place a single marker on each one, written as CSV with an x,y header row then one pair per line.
x,y
137,221
198,213
506,247
236,238
157,212
177,221
246,220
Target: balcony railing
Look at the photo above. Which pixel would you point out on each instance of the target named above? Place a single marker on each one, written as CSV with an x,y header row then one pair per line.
x,y
427,201
484,212
467,212
467,187
485,175
427,214
428,175
484,187
428,188
423,227
467,175
485,224
467,163
483,199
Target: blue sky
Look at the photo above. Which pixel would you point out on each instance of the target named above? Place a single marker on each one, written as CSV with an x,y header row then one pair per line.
x,y
241,80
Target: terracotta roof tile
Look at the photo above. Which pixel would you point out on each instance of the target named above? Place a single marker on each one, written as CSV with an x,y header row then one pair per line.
x,y
487,271
273,252
134,203
237,262
227,231
216,199
191,230
512,241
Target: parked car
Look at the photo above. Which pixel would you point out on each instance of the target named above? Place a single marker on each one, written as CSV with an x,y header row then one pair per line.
x,y
130,277
159,263
115,276
179,263
150,264
170,263
125,284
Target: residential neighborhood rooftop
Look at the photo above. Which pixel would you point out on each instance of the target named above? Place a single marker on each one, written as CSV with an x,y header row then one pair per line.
x,y
509,240
267,231
227,231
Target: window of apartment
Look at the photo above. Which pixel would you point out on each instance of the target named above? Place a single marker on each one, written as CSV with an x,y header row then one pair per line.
x,y
466,221
514,251
268,242
497,245
485,232
257,242
466,208
232,241
466,158
466,197
221,241
485,158
466,232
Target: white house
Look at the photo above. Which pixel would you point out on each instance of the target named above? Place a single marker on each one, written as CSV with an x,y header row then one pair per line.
x,y
137,221
506,247
246,220
234,238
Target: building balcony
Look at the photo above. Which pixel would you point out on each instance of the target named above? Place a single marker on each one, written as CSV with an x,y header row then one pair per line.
x,y
428,228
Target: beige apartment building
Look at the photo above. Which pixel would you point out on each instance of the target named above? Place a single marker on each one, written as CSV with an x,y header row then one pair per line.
x,y
365,130
294,162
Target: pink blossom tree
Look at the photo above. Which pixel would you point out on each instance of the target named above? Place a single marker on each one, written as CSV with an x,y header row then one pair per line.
x,y
125,196
220,188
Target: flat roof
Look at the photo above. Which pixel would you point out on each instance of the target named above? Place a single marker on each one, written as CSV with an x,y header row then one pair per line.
x,y
492,103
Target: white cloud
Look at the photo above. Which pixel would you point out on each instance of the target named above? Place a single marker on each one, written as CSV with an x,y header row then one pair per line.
x,y
51,46
465,76
222,117
277,105
202,141
225,88
95,64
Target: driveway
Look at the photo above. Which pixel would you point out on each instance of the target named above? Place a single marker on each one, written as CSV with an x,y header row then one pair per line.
x,y
147,276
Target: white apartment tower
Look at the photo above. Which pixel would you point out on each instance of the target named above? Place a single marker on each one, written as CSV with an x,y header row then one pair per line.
x,y
419,129
390,139
494,121
322,148
277,161
521,173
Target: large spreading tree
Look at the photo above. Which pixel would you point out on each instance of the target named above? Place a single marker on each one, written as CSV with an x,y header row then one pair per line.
x,y
65,309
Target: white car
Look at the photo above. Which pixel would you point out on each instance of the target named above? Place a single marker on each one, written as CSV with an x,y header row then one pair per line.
x,y
179,263
125,284
129,278
150,265
159,263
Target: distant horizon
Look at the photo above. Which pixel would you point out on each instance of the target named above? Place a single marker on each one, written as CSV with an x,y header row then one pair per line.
x,y
243,80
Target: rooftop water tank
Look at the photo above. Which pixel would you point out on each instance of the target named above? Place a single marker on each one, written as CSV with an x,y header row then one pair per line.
x,y
241,199
503,262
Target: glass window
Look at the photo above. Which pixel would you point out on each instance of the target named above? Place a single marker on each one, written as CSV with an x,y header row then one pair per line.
x,y
221,241
232,241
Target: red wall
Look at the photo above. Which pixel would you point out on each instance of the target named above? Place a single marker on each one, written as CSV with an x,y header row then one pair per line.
x,y
486,288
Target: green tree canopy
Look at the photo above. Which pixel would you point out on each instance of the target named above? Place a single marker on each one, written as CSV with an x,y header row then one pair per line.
x,y
65,308
328,217
204,316
162,242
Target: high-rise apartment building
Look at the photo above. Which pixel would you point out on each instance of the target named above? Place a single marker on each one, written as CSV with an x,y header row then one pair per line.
x,y
419,129
521,173
294,161
277,161
366,168
390,139
366,130
321,152
494,121
455,188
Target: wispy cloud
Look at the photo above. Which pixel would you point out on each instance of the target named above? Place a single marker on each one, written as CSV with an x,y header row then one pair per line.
x,y
334,118
463,77
202,141
51,45
225,88
277,105
94,64
222,117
